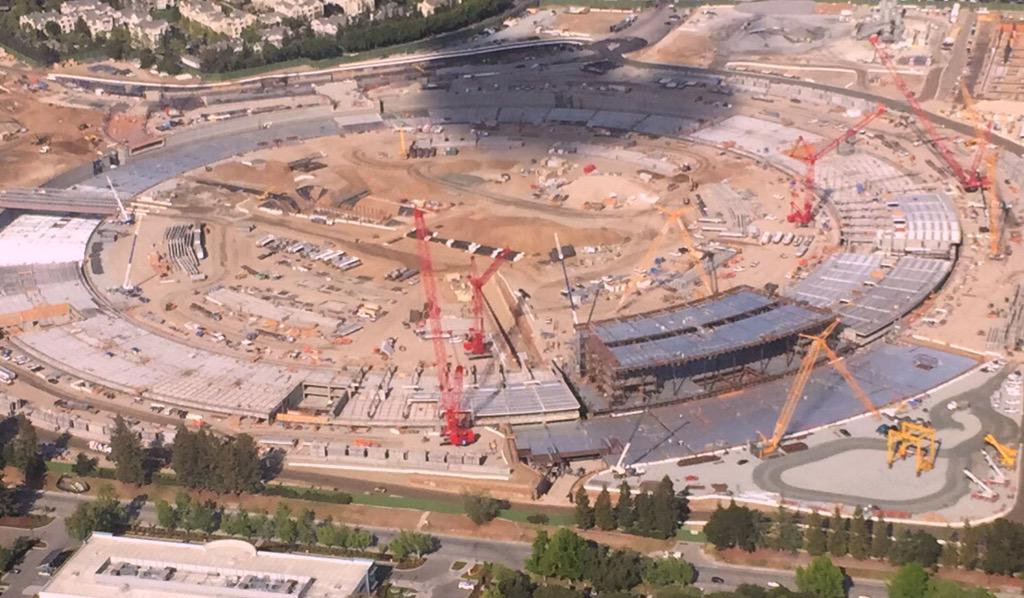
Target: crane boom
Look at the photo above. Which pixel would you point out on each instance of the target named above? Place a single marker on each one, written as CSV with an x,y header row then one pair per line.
x,y
645,263
806,153
691,247
818,345
968,181
455,429
475,344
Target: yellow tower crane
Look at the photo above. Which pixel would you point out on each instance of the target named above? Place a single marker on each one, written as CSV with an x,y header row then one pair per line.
x,y
909,434
818,345
672,218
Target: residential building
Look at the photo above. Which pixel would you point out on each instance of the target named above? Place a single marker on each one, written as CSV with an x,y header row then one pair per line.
x,y
429,7
328,26
212,17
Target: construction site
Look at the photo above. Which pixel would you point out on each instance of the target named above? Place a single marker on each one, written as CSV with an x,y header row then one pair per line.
x,y
508,269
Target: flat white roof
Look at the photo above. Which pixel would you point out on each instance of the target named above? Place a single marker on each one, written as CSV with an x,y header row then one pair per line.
x,y
107,566
42,239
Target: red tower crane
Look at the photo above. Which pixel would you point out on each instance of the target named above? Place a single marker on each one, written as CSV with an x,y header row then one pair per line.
x,y
969,181
456,428
806,153
475,344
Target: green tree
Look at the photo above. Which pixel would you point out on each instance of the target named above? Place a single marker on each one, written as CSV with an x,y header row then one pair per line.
x,y
788,536
1004,547
8,502
202,516
915,546
668,571
565,555
604,515
84,465
625,516
860,535
284,525
733,526
104,514
584,513
881,541
940,588
838,537
950,557
23,450
667,509
516,585
480,508
614,571
643,522
816,542
536,562
305,527
911,581
166,517
409,543
969,549
127,454
821,579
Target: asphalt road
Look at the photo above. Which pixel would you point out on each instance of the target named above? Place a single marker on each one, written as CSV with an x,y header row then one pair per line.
x,y
436,575
948,87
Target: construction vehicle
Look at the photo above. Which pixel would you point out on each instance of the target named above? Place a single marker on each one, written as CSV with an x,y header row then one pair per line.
x,y
806,153
906,435
125,217
818,345
672,218
969,180
476,344
1007,455
985,492
998,477
456,429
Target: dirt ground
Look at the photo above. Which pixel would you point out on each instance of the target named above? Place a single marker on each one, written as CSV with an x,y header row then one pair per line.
x,y
594,22
22,164
680,47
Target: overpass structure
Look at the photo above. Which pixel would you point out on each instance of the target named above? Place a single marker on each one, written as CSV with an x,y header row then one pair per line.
x,y
72,201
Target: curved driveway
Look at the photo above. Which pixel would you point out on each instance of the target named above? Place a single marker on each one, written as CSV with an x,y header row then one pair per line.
x,y
768,475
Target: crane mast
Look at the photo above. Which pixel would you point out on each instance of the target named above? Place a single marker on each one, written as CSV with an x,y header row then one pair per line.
x,y
456,430
476,342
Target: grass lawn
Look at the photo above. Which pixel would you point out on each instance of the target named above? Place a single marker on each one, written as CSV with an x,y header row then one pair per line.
x,y
688,535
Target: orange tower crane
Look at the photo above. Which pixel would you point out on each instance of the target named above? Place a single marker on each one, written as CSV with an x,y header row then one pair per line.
x,y
456,429
818,345
806,153
672,218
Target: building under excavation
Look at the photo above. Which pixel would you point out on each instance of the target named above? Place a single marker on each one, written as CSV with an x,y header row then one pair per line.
x,y
693,350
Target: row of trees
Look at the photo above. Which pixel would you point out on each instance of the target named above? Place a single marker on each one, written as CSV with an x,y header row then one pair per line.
x,y
656,514
357,37
191,515
997,547
104,514
199,459
567,556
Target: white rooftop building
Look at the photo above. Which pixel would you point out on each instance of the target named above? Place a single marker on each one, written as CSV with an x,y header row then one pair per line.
x,y
109,565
